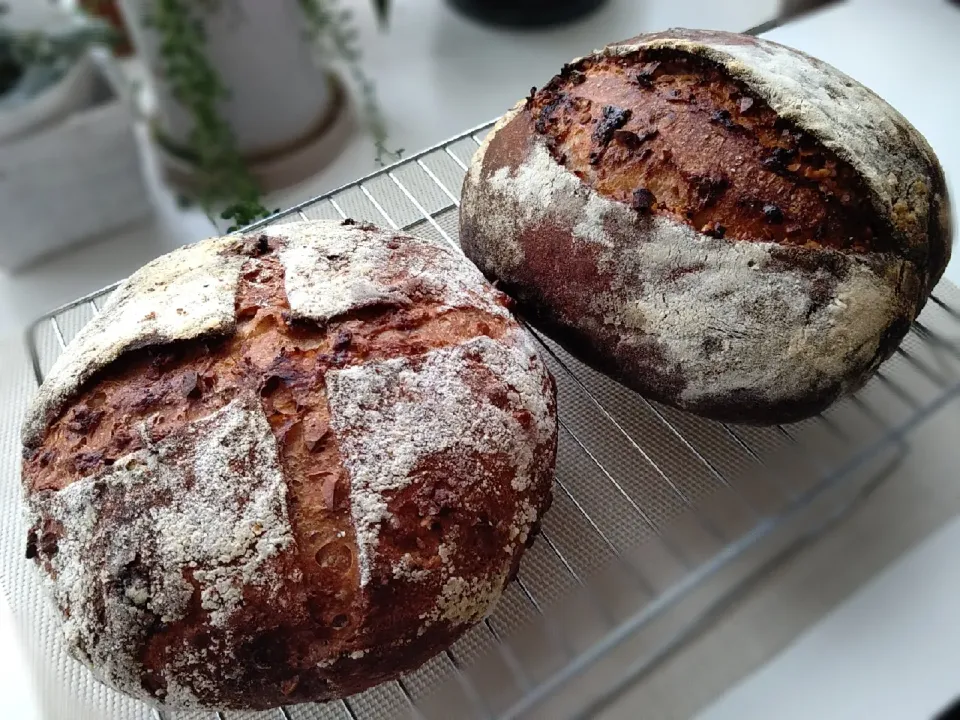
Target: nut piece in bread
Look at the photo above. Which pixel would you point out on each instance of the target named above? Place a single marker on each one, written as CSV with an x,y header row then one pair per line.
x,y
719,222
286,467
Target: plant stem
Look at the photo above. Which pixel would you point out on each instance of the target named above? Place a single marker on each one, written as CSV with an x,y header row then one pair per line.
x,y
330,29
195,84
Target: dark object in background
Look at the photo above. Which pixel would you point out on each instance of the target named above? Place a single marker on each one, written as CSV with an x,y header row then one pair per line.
x,y
795,8
526,13
952,711
10,70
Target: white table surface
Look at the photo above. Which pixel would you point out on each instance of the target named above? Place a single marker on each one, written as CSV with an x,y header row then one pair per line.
x,y
889,650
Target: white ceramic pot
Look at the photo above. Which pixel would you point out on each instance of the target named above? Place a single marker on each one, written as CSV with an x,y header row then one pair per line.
x,y
70,93
278,93
72,180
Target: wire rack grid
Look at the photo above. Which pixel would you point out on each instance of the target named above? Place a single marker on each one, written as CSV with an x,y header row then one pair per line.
x,y
660,519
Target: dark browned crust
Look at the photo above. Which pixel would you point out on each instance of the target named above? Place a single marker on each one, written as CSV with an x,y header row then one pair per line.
x,y
326,615
939,231
705,151
933,254
559,278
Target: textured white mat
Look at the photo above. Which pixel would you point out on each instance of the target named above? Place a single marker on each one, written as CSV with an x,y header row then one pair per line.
x,y
62,688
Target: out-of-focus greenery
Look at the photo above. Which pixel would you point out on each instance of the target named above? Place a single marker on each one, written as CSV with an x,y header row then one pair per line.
x,y
224,181
31,60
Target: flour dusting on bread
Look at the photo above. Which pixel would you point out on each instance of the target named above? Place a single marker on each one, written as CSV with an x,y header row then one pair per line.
x,y
508,251
332,269
373,406
186,294
134,535
728,315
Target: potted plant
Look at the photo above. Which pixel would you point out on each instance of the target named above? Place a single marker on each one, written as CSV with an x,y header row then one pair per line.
x,y
109,12
71,171
247,95
45,74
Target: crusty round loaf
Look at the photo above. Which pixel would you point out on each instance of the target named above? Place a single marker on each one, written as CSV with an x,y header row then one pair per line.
x,y
285,467
720,222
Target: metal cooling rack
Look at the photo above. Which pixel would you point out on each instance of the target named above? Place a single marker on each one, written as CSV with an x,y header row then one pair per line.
x,y
660,519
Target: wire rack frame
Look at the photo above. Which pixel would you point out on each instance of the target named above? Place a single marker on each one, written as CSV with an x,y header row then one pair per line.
x,y
421,195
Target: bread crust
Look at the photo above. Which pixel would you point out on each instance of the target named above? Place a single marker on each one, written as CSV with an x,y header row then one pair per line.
x,y
719,222
317,497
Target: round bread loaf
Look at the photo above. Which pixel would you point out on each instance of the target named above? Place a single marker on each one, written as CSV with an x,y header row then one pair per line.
x,y
285,467
722,223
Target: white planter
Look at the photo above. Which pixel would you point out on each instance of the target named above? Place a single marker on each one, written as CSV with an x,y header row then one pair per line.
x,y
73,92
71,180
278,93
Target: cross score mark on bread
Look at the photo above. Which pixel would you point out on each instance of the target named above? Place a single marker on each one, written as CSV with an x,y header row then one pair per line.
x,y
287,467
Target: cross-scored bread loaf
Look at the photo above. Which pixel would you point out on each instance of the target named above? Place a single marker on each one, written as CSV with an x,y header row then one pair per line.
x,y
287,466
722,223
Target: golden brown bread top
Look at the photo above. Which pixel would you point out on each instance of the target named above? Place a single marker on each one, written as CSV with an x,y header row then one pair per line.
x,y
827,154
169,387
670,133
325,611
174,384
